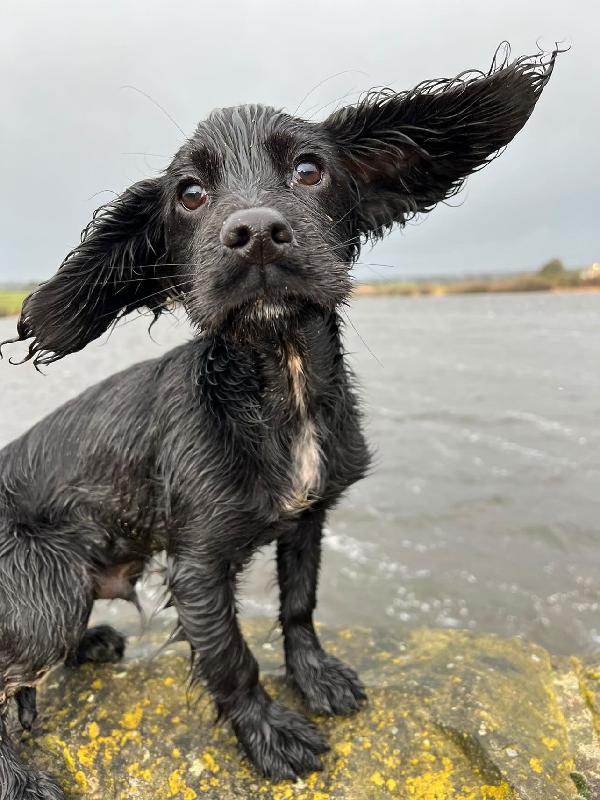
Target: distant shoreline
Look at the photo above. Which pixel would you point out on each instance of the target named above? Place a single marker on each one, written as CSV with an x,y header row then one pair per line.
x,y
384,290
565,281
572,282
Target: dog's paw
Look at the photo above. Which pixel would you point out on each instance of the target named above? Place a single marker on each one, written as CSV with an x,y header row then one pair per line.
x,y
25,784
283,744
26,699
44,788
327,685
100,645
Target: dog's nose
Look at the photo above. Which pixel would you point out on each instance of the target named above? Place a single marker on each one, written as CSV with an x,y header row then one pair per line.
x,y
257,234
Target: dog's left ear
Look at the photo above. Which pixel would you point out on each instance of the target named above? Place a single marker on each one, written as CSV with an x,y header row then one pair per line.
x,y
407,151
115,269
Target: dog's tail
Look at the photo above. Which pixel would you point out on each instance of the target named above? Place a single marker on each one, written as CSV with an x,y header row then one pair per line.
x,y
19,782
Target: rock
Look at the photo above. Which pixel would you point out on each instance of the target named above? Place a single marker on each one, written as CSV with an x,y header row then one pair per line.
x,y
451,715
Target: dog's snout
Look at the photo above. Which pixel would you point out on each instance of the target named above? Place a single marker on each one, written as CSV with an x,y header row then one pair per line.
x,y
257,234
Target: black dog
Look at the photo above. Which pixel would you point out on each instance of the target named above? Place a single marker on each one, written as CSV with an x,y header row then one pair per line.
x,y
247,434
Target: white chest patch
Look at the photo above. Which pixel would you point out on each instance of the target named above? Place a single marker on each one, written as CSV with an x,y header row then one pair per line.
x,y
305,473
306,456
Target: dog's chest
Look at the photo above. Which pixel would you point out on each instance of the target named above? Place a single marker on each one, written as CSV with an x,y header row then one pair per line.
x,y
305,455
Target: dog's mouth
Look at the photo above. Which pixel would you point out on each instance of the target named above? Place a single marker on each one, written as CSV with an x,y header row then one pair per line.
x,y
263,309
267,308
259,314
266,291
249,299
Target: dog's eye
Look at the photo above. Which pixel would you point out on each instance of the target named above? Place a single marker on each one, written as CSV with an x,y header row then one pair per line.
x,y
307,173
193,196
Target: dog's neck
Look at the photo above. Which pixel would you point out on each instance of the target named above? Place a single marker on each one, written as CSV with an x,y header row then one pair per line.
x,y
275,397
287,368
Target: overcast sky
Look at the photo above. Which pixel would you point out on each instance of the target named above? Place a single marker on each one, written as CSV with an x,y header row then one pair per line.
x,y
71,134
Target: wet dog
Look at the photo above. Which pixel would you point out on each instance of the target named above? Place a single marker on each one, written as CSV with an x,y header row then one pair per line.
x,y
245,435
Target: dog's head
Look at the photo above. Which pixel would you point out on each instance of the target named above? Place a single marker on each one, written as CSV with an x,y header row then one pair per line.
x,y
261,214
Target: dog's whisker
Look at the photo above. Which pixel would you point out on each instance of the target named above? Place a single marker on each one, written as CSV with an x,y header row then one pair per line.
x,y
146,278
322,83
356,331
377,264
157,104
141,267
165,290
140,153
337,100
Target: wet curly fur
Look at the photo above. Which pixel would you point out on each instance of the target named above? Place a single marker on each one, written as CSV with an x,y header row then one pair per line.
x,y
247,434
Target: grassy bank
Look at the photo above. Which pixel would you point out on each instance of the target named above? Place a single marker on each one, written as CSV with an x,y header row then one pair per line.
x,y
10,302
529,282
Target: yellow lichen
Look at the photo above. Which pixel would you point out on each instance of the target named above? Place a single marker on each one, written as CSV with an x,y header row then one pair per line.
x,y
536,765
311,779
343,748
432,785
549,742
87,753
500,792
377,779
93,731
69,761
136,771
131,719
209,762
283,793
178,786
81,781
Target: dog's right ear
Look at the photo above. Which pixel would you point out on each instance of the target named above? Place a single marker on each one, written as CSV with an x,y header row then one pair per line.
x,y
114,270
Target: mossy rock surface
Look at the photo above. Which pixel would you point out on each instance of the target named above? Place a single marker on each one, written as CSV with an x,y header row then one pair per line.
x,y
451,715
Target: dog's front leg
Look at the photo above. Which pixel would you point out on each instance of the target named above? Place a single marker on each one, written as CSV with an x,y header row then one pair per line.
x,y
280,742
327,685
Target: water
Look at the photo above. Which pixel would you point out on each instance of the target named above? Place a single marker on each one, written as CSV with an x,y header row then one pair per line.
x,y
483,507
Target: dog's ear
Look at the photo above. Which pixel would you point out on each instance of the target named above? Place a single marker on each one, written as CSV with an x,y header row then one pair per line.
x,y
407,151
114,270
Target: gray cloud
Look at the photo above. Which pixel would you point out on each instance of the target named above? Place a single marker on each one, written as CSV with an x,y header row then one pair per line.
x,y
69,130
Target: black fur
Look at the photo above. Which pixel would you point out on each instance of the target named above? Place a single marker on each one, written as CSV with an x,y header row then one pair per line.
x,y
247,434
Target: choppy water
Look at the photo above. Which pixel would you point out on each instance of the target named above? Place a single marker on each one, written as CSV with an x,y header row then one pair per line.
x,y
483,509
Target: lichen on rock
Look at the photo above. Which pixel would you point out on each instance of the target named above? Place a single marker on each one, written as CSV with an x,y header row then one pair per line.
x,y
451,716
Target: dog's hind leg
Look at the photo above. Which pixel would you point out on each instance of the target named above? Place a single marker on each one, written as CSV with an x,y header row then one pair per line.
x,y
46,595
103,644
18,782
